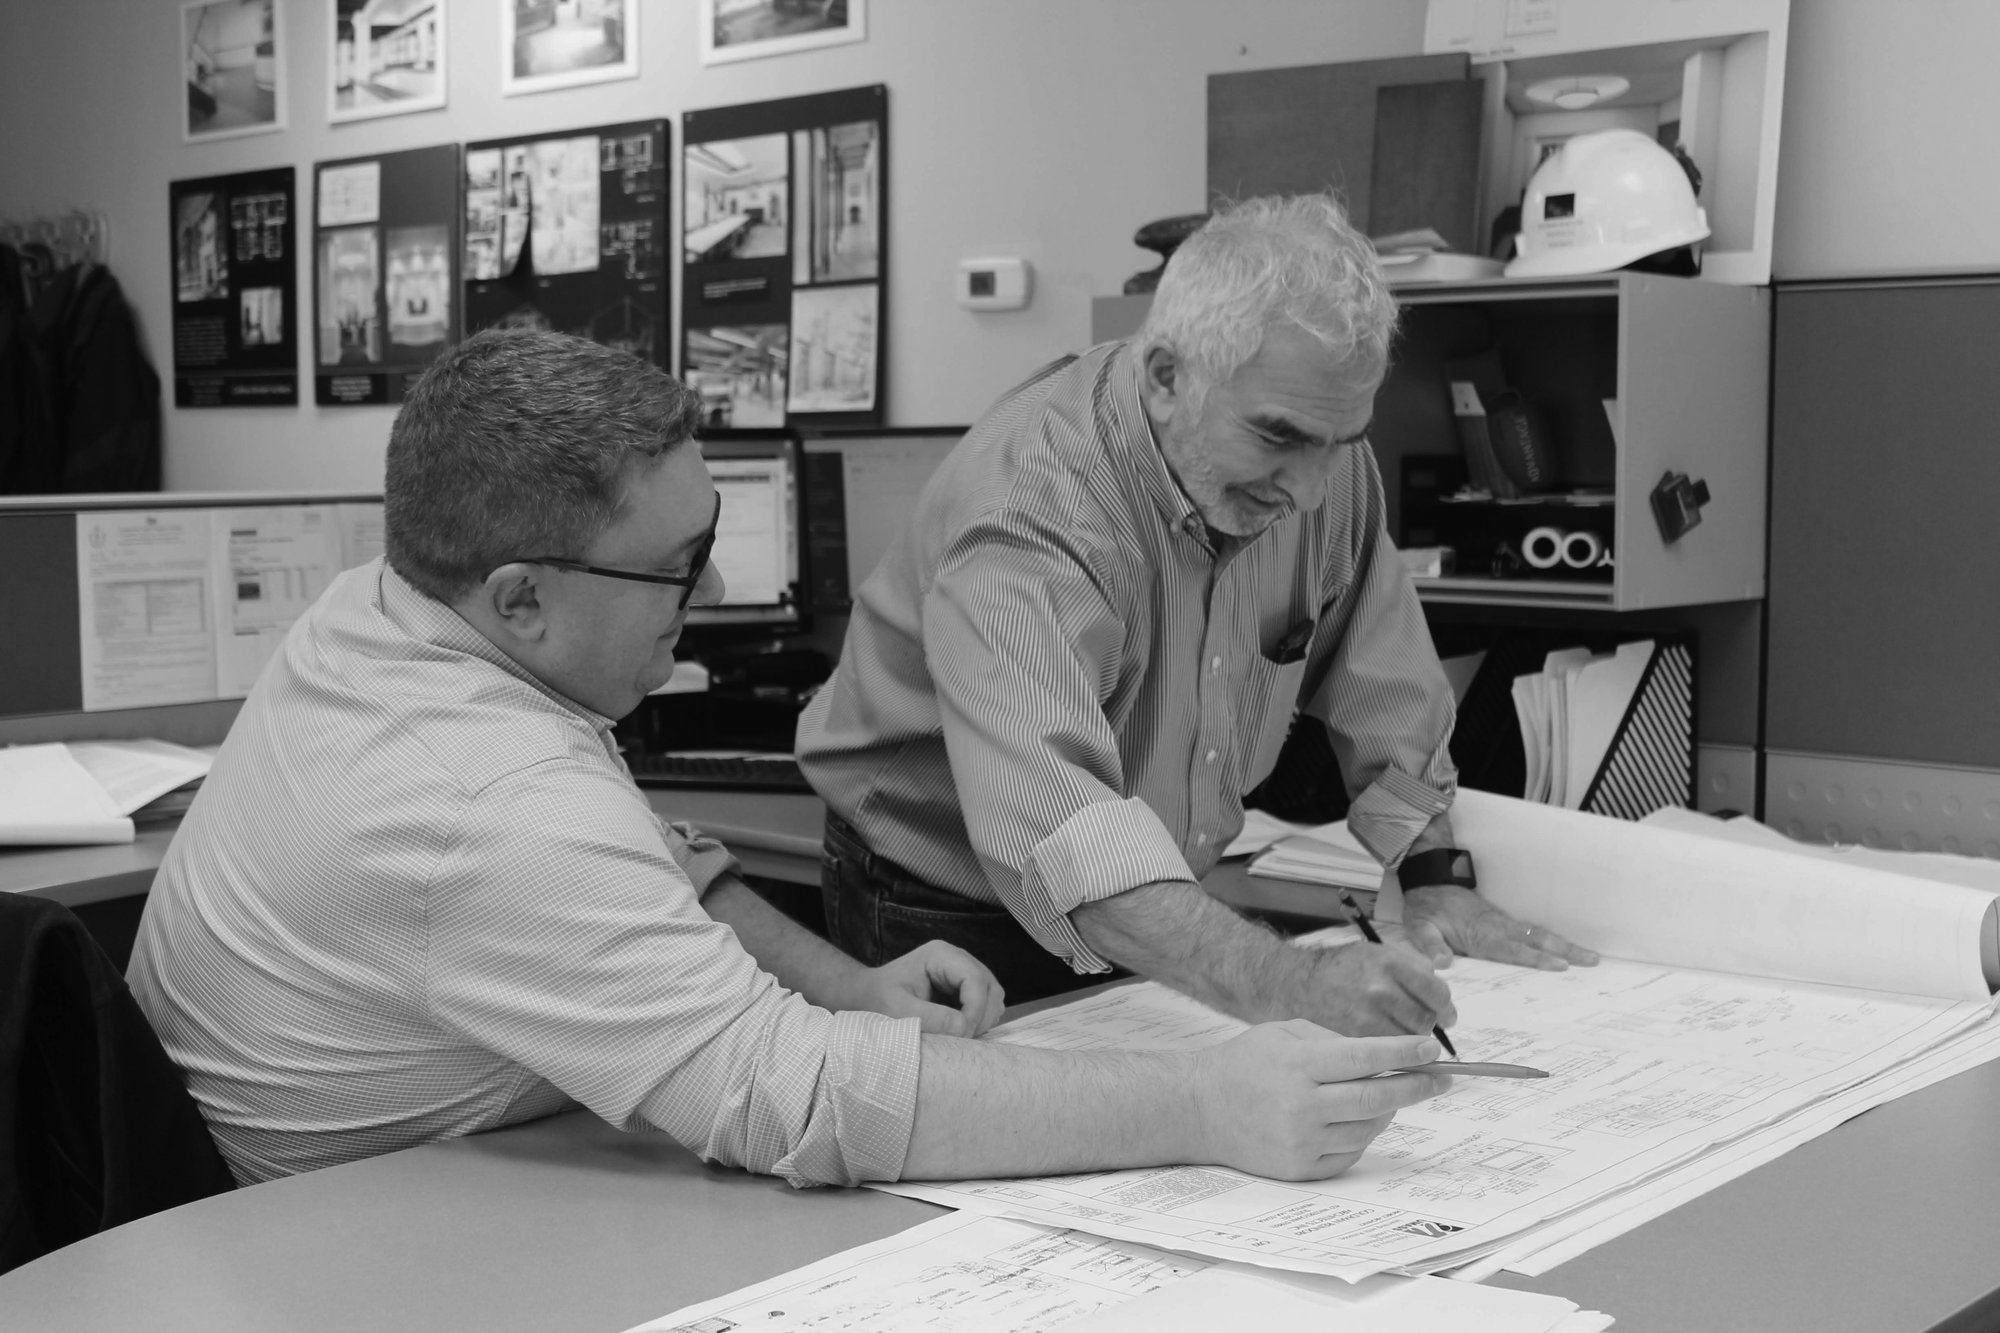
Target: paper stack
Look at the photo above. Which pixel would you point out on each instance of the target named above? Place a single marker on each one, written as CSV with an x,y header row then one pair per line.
x,y
1422,255
1570,714
1326,854
977,1274
87,791
1688,1056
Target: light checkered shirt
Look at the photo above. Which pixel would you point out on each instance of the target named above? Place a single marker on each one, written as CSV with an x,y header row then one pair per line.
x,y
419,897
1054,690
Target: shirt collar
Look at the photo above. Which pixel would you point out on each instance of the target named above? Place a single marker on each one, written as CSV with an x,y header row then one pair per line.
x,y
430,621
1134,432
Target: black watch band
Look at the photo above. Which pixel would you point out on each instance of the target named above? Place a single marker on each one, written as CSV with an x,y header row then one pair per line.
x,y
1439,865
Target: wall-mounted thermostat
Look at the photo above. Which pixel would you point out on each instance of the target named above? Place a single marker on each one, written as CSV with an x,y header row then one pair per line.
x,y
993,284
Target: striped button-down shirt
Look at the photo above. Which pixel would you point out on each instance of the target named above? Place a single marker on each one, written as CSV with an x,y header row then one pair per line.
x,y
1054,688
419,897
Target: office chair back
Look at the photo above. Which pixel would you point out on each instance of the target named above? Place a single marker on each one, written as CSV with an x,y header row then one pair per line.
x,y
96,1126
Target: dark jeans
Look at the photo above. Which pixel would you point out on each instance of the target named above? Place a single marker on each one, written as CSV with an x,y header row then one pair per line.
x,y
877,911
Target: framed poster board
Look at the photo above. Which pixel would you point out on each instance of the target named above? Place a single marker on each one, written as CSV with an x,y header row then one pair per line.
x,y
784,234
235,290
385,272
568,231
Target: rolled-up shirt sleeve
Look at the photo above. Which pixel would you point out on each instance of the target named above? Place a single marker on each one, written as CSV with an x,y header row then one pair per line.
x,y
572,942
1023,648
703,859
1388,708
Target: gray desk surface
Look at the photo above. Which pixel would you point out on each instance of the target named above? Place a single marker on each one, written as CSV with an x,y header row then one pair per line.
x,y
1889,1224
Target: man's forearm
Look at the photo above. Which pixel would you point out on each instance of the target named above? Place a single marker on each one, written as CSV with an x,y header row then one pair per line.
x,y
1175,933
990,1109
799,959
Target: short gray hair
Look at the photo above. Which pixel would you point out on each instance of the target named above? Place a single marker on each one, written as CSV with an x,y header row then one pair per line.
x,y
517,443
1269,262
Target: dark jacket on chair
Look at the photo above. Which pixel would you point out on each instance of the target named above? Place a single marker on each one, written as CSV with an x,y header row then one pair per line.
x,y
96,1127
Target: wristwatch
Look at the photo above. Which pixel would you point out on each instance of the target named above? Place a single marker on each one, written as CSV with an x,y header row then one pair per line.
x,y
1439,865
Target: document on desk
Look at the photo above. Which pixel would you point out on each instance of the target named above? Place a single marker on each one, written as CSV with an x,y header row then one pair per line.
x,y
973,1273
47,798
1662,1074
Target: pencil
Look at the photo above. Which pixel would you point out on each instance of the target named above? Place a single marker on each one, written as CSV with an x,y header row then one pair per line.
x,y
1367,930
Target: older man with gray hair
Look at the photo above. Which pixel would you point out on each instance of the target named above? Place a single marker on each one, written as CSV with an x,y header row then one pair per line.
x,y
1092,641
419,895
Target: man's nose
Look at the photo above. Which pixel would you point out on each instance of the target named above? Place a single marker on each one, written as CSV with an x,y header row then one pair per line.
x,y
1305,475
709,591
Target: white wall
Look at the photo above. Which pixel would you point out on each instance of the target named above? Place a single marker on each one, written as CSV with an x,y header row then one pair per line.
x,y
1047,128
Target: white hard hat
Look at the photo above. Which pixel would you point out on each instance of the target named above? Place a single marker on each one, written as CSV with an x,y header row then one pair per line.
x,y
1604,200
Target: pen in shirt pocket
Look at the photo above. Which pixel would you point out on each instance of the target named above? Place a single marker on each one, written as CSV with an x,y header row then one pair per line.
x,y
1292,646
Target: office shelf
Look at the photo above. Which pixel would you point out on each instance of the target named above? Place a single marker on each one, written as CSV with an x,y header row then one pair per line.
x,y
1639,375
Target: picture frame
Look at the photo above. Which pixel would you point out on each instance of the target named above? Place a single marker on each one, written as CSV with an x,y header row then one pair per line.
x,y
751,29
546,45
396,66
232,68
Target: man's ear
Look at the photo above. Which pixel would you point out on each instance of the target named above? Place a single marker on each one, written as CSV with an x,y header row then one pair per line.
x,y
510,598
1160,382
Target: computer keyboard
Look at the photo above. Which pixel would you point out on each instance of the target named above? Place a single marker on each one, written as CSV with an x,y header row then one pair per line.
x,y
739,772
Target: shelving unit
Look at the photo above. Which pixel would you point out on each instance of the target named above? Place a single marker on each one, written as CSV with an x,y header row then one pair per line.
x,y
1637,375
1686,365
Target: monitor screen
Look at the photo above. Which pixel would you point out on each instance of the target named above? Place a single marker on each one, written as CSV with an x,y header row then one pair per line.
x,y
861,487
756,535
142,601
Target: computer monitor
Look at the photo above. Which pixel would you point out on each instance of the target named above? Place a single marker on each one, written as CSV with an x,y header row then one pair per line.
x,y
123,605
757,543
861,487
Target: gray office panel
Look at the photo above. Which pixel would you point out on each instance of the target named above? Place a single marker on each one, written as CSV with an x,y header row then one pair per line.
x,y
1884,587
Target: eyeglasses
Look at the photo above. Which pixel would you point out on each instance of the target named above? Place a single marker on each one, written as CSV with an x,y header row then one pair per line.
x,y
685,582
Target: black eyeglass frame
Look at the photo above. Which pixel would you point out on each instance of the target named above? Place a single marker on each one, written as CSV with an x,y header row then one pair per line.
x,y
685,582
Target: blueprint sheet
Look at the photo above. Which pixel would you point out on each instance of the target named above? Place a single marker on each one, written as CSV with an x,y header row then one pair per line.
x,y
970,1273
1651,1068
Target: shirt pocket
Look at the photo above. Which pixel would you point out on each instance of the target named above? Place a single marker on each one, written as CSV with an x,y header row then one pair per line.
x,y
1269,704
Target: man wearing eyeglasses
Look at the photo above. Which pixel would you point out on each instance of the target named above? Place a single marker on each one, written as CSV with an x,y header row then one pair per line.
x,y
419,895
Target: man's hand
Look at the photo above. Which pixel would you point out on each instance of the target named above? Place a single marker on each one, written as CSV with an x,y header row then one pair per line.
x,y
1293,1101
1369,990
950,990
1442,918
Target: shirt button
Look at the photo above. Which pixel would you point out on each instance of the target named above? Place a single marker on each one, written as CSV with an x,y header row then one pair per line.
x,y
1211,756
1201,840
1215,663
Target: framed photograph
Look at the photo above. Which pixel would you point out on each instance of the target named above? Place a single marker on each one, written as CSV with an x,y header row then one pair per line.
x,y
384,57
739,373
836,219
736,200
832,361
548,44
232,68
747,29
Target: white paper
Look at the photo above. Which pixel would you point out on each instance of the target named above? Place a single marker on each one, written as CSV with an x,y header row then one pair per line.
x,y
271,565
1260,830
1231,1296
143,584
564,204
351,194
1650,1068
1642,892
1326,854
971,1273
48,798
964,1272
132,773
